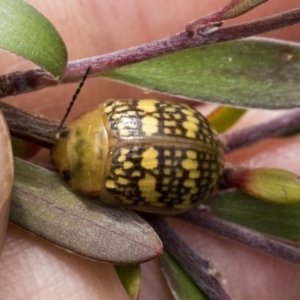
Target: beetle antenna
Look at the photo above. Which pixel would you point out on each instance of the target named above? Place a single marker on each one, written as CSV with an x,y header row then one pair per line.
x,y
74,98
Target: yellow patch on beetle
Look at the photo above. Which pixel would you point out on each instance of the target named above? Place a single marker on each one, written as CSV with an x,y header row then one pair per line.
x,y
191,134
122,181
136,174
189,183
214,176
147,105
123,131
124,151
157,204
178,153
170,109
116,116
191,154
167,171
127,165
193,119
119,171
147,186
190,126
187,112
190,164
186,199
194,191
167,153
167,130
122,158
110,184
150,125
201,137
194,174
179,173
166,181
182,206
125,200
149,159
107,108
178,131
121,108
168,162
170,123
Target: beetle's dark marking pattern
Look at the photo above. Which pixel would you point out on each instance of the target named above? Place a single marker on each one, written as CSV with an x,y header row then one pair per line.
x,y
147,154
157,119
66,174
153,175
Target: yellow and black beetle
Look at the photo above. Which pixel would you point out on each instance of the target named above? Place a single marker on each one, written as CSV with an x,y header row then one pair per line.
x,y
148,155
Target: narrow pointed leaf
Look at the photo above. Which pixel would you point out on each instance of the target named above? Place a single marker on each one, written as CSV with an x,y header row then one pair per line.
x,y
275,219
27,33
181,285
44,205
130,276
224,117
268,184
238,7
211,22
249,73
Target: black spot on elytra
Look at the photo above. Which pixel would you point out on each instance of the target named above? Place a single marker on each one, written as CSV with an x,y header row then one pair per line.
x,y
66,174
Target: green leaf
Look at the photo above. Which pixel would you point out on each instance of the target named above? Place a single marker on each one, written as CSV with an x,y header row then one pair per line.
x,y
276,219
224,117
45,206
250,73
181,285
27,33
130,276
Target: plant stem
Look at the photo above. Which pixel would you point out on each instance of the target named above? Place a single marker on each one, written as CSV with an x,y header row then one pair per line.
x,y
242,235
200,270
280,126
30,127
22,82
